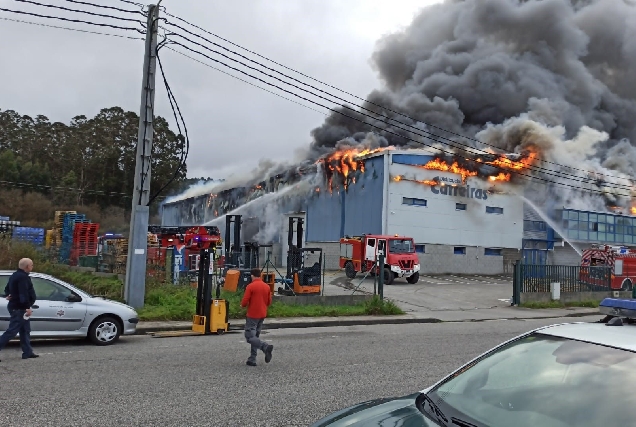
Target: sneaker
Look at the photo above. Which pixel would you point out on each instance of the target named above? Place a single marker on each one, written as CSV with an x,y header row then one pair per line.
x,y
268,353
250,363
33,356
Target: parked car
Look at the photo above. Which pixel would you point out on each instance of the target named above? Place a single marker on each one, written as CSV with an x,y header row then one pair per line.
x,y
565,375
64,311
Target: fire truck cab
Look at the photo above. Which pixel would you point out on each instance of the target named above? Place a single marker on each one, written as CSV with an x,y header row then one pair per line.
x,y
361,253
618,261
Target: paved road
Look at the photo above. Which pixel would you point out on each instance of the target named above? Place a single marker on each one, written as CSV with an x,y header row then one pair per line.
x,y
204,381
438,293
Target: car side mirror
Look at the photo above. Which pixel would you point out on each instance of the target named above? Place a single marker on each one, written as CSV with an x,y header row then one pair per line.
x,y
73,298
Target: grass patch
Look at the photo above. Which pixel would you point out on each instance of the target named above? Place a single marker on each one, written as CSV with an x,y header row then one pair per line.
x,y
559,304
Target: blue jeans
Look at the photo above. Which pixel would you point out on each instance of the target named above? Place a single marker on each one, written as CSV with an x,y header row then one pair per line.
x,y
17,324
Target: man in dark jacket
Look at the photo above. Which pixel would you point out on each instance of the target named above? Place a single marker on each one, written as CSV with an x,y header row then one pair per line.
x,y
21,296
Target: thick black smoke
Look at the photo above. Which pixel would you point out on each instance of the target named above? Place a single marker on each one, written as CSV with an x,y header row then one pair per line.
x,y
506,71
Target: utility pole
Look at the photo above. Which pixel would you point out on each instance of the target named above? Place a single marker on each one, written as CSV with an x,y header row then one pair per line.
x,y
135,285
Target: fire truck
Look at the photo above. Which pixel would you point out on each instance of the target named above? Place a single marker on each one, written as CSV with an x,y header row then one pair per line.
x,y
360,255
606,266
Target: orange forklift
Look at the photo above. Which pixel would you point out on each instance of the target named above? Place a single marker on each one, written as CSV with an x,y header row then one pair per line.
x,y
304,265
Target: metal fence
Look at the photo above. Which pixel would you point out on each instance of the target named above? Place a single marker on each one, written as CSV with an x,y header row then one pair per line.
x,y
571,278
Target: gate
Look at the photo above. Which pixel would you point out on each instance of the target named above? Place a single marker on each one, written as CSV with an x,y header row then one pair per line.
x,y
572,278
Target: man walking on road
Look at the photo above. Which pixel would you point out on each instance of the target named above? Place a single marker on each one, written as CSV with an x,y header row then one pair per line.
x,y
258,296
21,296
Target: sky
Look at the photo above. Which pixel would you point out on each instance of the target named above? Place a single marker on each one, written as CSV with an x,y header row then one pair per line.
x,y
232,125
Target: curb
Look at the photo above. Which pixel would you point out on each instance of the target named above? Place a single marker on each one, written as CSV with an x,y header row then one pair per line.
x,y
351,322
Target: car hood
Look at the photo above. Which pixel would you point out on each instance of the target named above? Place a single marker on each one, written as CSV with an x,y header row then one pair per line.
x,y
110,301
379,412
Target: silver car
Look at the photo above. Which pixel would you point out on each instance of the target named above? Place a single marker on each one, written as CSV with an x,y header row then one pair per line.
x,y
64,311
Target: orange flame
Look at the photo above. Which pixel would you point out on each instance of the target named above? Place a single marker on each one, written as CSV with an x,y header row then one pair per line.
x,y
441,165
344,162
399,178
633,210
501,177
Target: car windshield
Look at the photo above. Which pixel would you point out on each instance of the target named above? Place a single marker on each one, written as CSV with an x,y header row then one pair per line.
x,y
543,381
401,246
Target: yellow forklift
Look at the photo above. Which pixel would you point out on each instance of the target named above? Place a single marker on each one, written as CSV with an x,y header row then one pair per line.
x,y
212,314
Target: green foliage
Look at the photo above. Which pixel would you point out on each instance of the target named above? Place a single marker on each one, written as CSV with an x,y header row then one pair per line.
x,y
93,156
559,304
376,306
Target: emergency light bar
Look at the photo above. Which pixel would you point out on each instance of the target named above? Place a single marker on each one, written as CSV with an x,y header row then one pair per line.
x,y
618,307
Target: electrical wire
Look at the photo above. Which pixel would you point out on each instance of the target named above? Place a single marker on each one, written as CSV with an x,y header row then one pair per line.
x,y
245,81
77,190
428,135
375,126
348,93
71,20
185,150
70,29
79,11
105,7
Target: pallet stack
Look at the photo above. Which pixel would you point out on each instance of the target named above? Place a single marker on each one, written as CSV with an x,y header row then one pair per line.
x,y
153,240
84,241
35,236
121,256
58,226
7,226
68,228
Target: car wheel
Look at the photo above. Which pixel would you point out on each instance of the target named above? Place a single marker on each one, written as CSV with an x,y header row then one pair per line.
x,y
350,270
413,278
104,331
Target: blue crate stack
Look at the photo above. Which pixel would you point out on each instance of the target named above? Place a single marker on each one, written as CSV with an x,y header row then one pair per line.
x,y
6,227
67,235
31,235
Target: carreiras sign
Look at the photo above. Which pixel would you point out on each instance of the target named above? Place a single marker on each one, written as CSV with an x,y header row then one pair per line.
x,y
451,187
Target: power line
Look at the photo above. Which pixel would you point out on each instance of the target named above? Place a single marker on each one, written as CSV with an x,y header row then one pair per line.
x,y
245,81
344,91
375,126
104,6
413,129
79,11
71,20
184,150
76,190
70,29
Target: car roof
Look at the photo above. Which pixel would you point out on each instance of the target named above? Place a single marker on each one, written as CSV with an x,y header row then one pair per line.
x,y
623,337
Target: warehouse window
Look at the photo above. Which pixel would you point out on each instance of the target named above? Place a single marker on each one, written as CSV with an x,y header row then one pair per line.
x,y
460,206
459,250
494,210
413,202
534,225
420,249
492,251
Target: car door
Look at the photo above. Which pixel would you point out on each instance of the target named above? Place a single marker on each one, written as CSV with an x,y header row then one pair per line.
x,y
54,312
4,311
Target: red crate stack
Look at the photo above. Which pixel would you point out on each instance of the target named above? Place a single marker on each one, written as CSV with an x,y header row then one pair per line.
x,y
84,241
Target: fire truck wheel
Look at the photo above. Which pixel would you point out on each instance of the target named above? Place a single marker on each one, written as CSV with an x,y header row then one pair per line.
x,y
350,270
388,276
413,278
627,285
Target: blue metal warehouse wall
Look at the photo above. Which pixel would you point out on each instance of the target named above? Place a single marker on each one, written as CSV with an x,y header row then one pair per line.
x,y
354,212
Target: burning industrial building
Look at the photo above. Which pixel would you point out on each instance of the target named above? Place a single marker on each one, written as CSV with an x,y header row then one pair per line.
x,y
495,117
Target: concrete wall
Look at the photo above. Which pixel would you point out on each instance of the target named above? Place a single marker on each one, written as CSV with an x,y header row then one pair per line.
x,y
564,255
510,256
328,300
330,252
441,259
568,297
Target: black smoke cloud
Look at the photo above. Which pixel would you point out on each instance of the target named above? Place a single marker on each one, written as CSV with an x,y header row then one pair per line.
x,y
554,74
462,65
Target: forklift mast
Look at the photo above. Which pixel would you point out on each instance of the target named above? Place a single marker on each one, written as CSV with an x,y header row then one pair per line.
x,y
294,253
232,245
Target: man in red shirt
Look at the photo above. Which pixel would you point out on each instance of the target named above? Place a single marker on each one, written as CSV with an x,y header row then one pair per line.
x,y
258,296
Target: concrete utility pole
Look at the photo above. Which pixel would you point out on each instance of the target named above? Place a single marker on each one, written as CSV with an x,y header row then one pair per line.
x,y
135,285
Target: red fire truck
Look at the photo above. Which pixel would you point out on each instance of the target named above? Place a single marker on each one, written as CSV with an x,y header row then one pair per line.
x,y
360,254
616,267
